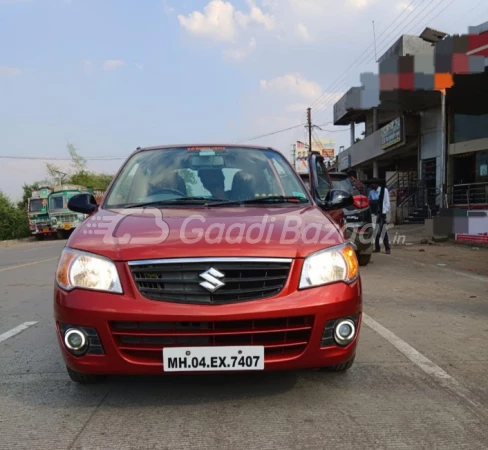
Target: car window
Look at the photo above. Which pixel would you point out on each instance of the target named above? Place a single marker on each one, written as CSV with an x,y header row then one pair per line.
x,y
344,184
226,173
323,181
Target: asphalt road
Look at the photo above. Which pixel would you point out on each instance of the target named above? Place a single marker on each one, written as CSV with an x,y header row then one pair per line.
x,y
419,382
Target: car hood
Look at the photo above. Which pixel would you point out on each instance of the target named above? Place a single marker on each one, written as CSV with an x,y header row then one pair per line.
x,y
284,232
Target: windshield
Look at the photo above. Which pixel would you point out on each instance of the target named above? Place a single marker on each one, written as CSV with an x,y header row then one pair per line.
x,y
35,205
203,173
344,184
56,202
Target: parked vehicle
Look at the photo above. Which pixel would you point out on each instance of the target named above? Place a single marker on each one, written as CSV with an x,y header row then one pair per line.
x,y
215,270
359,223
63,220
37,212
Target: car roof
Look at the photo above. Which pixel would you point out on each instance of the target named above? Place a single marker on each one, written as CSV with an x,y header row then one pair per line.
x,y
166,147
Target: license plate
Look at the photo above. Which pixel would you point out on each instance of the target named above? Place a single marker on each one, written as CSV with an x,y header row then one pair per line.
x,y
214,359
67,226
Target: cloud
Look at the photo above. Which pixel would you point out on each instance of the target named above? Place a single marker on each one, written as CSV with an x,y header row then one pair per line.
x,y
256,15
139,66
302,32
113,64
405,6
217,21
10,71
222,22
293,84
239,54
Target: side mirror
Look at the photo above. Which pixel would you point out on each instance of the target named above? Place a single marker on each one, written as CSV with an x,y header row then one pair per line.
x,y
83,203
338,199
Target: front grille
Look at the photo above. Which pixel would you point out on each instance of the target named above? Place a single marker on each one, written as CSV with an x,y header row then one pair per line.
x,y
181,281
66,218
144,341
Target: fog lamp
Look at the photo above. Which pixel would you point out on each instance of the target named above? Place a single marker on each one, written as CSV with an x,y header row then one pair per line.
x,y
344,332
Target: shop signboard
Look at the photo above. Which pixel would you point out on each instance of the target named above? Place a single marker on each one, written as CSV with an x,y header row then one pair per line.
x,y
392,134
344,162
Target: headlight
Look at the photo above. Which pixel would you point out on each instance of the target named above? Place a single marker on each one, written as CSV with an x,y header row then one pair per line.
x,y
330,266
54,220
83,270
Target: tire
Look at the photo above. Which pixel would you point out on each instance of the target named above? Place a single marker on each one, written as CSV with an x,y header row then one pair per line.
x,y
39,237
364,260
84,378
63,234
344,367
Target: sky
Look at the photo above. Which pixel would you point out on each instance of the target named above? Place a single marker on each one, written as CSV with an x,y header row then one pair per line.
x,y
111,75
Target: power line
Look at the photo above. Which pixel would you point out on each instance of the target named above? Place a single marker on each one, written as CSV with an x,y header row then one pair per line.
x,y
362,54
330,96
269,134
366,55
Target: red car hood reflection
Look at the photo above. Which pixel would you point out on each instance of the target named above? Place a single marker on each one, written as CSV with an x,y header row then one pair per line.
x,y
207,232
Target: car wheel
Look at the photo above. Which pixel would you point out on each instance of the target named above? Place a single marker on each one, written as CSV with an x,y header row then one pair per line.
x,y
344,367
364,260
39,237
84,378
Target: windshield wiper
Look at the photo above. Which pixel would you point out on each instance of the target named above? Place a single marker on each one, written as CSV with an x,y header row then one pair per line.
x,y
261,200
175,201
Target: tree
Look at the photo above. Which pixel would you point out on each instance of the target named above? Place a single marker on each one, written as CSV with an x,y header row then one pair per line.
x,y
91,179
27,189
13,221
78,163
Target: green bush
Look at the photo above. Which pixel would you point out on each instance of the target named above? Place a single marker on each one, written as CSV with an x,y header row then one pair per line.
x,y
14,223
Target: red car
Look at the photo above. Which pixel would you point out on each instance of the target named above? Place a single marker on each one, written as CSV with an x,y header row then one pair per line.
x,y
208,258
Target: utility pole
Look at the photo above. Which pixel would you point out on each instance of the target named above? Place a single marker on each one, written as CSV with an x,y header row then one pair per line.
x,y
309,126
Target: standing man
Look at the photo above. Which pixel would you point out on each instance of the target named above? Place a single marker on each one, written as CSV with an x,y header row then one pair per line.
x,y
381,221
353,175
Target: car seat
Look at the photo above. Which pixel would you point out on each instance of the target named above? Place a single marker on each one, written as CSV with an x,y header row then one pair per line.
x,y
243,186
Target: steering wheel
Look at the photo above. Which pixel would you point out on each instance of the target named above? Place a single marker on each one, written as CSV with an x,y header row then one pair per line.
x,y
165,190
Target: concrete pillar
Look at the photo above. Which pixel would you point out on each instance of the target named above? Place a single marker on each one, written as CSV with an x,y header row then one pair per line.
x,y
353,133
375,119
375,169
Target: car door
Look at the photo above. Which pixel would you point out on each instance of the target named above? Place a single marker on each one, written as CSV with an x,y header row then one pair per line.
x,y
321,184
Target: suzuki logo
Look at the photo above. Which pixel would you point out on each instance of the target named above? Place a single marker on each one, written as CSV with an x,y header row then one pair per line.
x,y
212,282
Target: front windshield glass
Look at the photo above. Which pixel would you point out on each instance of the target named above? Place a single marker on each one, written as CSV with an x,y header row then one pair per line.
x,y
213,173
35,205
56,202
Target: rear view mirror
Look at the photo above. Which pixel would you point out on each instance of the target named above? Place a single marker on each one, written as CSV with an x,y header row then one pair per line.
x,y
84,203
211,161
338,199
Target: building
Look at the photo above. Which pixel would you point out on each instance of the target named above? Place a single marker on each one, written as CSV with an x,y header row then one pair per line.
x,y
425,117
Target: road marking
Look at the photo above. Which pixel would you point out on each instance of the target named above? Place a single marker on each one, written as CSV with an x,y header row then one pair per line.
x,y
445,269
423,362
27,264
16,330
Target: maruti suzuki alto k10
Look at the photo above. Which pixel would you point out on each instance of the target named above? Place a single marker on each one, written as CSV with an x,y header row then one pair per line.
x,y
208,258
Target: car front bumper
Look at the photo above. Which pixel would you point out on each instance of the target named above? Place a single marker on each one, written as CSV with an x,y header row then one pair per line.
x,y
123,351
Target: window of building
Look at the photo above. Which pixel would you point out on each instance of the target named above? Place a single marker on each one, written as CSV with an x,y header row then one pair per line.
x,y
469,128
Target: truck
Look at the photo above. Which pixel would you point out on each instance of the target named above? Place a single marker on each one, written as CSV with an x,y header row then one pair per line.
x,y
38,214
64,221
